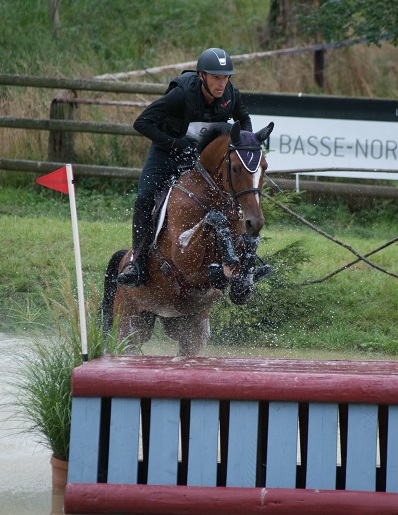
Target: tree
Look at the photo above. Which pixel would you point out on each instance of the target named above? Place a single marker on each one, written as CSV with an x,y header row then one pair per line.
x,y
281,29
356,20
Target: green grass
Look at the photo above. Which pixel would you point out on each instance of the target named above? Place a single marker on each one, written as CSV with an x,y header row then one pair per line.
x,y
122,35
355,310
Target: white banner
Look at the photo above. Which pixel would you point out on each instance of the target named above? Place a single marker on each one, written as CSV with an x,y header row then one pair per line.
x,y
298,143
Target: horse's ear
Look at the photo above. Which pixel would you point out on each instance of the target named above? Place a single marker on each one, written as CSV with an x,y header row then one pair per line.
x,y
235,133
263,134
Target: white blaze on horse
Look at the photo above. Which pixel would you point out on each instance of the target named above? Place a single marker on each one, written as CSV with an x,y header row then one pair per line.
x,y
205,244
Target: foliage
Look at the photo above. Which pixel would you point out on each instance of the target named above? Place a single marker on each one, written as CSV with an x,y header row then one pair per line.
x,y
41,381
274,302
121,35
334,213
356,20
288,198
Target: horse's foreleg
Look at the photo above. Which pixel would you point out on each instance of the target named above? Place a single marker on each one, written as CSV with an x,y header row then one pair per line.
x,y
242,284
219,273
192,332
193,241
219,223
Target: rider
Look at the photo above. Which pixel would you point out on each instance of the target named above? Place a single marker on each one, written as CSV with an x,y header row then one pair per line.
x,y
206,96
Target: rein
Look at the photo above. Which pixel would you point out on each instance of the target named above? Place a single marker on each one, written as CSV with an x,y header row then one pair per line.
x,y
230,197
213,187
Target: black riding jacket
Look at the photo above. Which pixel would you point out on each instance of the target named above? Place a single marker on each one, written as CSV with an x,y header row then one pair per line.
x,y
183,102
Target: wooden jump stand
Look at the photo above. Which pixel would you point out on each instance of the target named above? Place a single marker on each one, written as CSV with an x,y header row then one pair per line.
x,y
155,435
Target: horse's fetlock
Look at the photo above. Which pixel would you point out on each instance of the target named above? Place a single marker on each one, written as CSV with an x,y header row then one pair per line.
x,y
248,264
251,243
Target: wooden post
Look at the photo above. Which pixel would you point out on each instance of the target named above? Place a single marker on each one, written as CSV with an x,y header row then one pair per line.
x,y
319,65
60,144
53,13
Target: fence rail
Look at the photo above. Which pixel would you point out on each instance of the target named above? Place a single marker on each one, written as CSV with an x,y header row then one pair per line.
x,y
68,126
21,165
81,84
61,127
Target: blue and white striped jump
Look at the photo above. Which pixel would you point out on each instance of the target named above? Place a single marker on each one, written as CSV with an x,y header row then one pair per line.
x,y
233,436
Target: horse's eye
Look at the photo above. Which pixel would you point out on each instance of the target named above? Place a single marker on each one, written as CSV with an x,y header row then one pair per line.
x,y
235,169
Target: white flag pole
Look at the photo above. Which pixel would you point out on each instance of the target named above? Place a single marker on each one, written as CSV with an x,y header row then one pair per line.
x,y
79,275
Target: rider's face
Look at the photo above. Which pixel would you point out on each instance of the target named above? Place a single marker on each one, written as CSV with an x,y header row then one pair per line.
x,y
216,84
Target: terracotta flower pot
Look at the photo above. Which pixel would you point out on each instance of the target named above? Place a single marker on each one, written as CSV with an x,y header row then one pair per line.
x,y
59,473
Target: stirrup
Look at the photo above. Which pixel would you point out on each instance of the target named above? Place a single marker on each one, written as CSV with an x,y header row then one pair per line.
x,y
133,278
261,272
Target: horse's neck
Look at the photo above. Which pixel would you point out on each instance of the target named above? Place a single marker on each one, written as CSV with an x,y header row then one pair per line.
x,y
212,158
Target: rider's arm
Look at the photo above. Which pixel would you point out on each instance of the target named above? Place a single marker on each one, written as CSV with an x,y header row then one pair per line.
x,y
149,121
241,113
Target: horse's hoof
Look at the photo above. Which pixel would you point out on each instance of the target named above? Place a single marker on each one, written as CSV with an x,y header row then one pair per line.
x,y
261,272
217,278
240,296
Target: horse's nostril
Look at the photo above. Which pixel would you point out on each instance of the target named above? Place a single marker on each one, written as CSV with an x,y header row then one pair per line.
x,y
253,226
249,228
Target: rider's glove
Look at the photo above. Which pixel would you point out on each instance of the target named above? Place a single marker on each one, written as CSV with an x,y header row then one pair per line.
x,y
181,145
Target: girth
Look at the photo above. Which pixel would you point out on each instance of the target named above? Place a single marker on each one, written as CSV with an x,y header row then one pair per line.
x,y
168,268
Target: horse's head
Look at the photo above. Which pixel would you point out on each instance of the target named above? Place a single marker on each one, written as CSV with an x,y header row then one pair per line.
x,y
237,160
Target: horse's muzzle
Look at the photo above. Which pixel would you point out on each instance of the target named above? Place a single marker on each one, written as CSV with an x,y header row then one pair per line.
x,y
254,225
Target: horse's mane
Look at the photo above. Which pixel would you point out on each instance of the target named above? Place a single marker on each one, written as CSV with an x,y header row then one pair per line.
x,y
215,130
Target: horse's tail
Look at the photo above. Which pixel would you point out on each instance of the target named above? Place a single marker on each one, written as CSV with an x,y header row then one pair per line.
x,y
110,287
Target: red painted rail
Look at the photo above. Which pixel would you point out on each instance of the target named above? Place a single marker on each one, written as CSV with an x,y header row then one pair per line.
x,y
184,500
362,399
226,378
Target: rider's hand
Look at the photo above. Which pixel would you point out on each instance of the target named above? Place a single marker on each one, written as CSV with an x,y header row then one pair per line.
x,y
181,145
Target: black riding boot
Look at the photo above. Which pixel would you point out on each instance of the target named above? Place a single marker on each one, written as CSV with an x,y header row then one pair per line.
x,y
134,273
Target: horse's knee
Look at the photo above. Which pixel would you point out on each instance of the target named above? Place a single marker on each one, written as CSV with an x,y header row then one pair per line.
x,y
216,219
219,223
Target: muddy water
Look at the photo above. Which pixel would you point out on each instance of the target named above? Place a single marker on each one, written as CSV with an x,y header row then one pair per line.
x,y
25,473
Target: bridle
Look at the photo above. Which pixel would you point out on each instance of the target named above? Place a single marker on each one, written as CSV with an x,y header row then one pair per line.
x,y
226,157
230,197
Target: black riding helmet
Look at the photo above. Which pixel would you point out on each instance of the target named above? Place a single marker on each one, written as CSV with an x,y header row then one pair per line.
x,y
215,61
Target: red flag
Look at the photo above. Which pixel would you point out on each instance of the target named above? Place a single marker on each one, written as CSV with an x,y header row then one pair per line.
x,y
55,180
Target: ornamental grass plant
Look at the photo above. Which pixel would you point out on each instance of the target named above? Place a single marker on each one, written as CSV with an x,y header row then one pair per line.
x,y
41,380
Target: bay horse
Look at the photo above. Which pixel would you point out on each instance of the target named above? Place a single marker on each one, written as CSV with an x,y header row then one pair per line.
x,y
206,241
